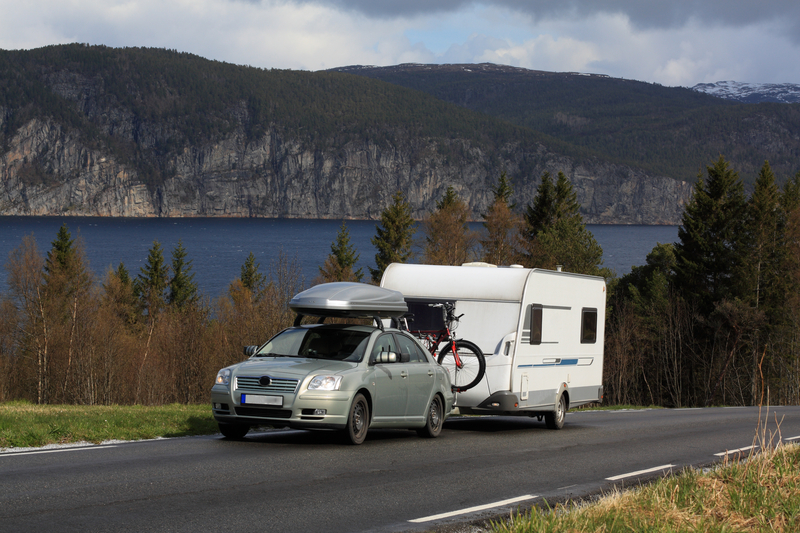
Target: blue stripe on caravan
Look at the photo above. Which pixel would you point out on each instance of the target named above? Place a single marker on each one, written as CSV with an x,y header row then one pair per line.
x,y
563,362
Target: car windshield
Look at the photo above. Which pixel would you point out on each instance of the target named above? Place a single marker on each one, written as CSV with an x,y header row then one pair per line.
x,y
336,342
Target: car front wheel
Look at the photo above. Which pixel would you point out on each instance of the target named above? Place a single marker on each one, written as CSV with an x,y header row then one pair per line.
x,y
358,421
233,431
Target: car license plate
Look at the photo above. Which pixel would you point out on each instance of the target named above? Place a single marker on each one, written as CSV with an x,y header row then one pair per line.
x,y
260,399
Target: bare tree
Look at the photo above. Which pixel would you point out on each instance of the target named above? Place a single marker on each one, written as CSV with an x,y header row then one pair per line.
x,y
448,239
26,284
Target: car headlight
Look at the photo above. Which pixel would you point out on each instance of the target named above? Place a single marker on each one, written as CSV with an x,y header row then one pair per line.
x,y
325,383
223,377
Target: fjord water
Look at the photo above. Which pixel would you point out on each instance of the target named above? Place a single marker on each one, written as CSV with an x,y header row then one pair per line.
x,y
218,247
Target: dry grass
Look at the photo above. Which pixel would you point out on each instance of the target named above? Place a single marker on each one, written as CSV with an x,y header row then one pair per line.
x,y
760,493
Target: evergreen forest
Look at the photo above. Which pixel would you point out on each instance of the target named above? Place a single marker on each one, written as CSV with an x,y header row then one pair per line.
x,y
164,101
667,131
713,319
173,101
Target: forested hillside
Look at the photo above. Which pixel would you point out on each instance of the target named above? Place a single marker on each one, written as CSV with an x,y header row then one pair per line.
x,y
671,131
201,100
92,130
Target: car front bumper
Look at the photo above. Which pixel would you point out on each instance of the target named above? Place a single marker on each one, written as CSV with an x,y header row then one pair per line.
x,y
303,410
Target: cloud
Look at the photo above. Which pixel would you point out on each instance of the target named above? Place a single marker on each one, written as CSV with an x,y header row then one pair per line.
x,y
610,44
642,14
681,42
394,8
273,34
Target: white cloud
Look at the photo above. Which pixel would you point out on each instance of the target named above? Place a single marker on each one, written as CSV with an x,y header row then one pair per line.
x,y
621,38
611,44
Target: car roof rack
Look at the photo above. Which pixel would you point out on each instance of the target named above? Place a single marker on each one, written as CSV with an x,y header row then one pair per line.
x,y
343,299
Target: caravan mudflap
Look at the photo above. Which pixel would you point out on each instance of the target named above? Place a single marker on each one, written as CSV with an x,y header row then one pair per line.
x,y
498,403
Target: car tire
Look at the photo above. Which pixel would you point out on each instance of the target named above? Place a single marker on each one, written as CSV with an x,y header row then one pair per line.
x,y
233,431
433,420
358,420
555,419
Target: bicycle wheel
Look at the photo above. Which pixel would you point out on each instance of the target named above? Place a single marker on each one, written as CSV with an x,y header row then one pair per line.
x,y
473,364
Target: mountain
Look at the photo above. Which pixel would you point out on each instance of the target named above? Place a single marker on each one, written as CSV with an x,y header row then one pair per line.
x,y
93,130
752,93
665,131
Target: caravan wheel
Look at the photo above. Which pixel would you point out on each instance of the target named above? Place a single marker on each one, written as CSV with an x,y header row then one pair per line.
x,y
555,420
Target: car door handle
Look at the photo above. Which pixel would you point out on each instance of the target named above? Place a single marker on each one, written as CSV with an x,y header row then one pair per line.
x,y
431,373
404,373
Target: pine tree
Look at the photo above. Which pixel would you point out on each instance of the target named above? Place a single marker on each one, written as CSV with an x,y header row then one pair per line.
x,y
449,200
500,246
503,191
251,278
541,214
62,255
182,288
343,257
65,269
151,283
763,241
122,274
394,236
709,255
555,234
67,300
790,195
118,294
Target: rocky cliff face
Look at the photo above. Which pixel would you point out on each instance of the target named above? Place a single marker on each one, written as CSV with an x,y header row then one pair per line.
x,y
47,170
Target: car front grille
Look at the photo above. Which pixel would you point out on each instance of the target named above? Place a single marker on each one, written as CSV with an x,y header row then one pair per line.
x,y
251,384
260,412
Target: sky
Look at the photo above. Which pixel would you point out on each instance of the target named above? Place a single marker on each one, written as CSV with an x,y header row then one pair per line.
x,y
670,42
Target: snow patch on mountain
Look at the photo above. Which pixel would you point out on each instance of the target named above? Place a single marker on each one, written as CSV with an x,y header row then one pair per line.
x,y
752,93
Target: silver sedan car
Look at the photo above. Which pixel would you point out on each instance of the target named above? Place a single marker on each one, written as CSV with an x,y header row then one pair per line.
x,y
335,376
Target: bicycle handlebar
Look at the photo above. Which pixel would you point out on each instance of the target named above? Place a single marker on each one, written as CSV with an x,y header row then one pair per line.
x,y
448,310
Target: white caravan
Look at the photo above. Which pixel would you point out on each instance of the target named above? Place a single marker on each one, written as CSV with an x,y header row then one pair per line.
x,y
541,333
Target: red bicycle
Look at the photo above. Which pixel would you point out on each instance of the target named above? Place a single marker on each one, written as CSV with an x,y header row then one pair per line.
x,y
463,360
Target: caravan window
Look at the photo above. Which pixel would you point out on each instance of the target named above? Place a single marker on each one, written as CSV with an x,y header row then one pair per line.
x,y
589,326
536,324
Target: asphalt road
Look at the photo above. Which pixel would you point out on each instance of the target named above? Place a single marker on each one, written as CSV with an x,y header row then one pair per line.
x,y
300,481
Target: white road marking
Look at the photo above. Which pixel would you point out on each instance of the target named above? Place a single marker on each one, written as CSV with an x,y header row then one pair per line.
x,y
728,452
57,450
473,509
792,438
631,474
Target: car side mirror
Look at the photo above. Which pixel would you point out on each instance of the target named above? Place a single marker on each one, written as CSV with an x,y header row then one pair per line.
x,y
250,350
386,357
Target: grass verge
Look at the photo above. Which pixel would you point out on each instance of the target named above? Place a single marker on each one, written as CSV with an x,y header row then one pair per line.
x,y
26,425
759,494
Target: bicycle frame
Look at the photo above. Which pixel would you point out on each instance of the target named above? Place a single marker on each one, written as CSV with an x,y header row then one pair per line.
x,y
444,335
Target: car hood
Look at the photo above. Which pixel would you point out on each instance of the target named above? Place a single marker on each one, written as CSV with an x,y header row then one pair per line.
x,y
294,367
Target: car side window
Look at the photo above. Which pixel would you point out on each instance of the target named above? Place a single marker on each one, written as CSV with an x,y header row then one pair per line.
x,y
384,343
408,346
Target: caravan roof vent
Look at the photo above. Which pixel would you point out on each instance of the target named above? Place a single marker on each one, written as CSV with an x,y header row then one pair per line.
x,y
478,264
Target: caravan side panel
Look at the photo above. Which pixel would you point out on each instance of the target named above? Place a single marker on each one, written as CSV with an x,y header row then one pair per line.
x,y
560,344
